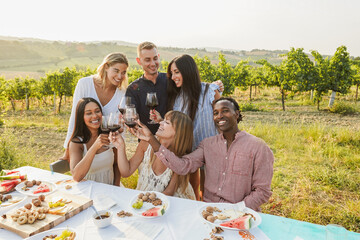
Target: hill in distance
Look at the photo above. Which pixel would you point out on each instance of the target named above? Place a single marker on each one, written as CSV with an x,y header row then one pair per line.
x,y
35,57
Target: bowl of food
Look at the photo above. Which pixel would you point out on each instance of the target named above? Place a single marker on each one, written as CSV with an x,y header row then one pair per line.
x,y
102,218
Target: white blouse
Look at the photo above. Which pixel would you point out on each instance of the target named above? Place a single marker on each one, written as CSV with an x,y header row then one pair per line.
x,y
86,88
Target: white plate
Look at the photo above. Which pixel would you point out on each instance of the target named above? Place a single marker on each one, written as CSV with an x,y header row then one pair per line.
x,y
54,231
147,205
14,195
228,210
19,187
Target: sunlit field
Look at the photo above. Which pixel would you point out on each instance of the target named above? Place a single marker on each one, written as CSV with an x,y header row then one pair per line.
x,y
317,153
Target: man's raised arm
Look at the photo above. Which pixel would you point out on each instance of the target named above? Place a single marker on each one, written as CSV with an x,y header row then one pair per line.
x,y
181,165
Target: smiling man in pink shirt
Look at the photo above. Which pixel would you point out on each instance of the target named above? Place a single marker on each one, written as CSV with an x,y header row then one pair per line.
x,y
238,165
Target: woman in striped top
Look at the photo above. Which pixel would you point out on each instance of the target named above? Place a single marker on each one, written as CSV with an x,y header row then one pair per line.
x,y
187,94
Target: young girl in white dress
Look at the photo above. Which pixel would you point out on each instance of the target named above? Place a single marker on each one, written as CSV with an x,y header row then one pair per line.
x,y
90,156
175,133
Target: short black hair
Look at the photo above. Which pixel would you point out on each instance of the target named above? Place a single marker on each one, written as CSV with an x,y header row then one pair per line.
x,y
233,101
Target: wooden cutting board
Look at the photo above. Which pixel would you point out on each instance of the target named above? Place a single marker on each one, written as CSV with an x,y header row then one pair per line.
x,y
79,203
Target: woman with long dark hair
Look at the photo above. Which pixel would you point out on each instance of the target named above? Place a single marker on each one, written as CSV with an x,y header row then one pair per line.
x,y
187,94
90,156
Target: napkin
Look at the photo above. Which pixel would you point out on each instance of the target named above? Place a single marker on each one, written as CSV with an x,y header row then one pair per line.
x,y
103,202
139,230
240,205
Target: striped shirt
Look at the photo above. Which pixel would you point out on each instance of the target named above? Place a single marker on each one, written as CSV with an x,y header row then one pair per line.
x,y
241,173
203,122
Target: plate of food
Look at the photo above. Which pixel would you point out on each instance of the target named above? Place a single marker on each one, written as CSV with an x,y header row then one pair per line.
x,y
11,199
35,188
150,204
228,216
56,233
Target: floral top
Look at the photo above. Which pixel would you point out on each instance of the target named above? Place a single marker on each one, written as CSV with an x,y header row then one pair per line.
x,y
149,181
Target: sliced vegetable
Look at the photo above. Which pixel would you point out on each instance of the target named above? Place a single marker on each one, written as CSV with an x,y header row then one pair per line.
x,y
239,223
9,187
8,172
153,212
13,176
42,188
10,182
9,177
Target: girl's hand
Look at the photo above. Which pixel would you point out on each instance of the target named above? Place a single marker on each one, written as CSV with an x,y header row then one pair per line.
x,y
102,141
116,139
141,131
155,116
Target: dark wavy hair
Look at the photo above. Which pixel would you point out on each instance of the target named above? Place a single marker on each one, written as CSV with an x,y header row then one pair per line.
x,y
80,128
191,86
233,101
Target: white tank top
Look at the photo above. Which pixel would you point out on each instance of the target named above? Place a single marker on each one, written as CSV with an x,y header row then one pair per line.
x,y
101,169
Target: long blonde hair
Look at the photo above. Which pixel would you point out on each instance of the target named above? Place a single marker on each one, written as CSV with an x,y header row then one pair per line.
x,y
109,60
183,140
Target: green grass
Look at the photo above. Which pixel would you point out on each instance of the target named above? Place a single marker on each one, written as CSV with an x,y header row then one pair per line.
x,y
317,154
316,172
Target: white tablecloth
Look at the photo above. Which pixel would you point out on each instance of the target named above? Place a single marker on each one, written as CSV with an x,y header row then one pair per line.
x,y
182,221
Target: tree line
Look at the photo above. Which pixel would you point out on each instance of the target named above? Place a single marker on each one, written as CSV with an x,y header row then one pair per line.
x,y
296,73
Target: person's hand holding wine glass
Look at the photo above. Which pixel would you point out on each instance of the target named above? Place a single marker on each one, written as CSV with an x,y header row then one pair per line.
x,y
155,116
141,131
104,128
152,103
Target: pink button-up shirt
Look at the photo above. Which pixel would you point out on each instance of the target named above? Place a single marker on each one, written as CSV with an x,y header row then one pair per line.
x,y
241,173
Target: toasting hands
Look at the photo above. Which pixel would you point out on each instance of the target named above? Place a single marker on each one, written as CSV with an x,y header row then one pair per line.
x,y
141,131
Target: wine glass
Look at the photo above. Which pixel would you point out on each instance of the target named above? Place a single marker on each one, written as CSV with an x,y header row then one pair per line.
x,y
130,117
104,124
114,122
128,102
152,102
104,127
124,103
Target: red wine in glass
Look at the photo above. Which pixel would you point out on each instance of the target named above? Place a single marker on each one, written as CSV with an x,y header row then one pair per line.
x,y
105,130
130,124
114,128
104,125
152,102
152,106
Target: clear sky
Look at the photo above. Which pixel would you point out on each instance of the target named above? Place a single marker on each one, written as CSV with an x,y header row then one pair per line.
x,y
320,25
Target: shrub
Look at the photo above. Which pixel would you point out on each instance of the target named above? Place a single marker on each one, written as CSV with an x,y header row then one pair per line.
x,y
7,158
342,108
249,107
